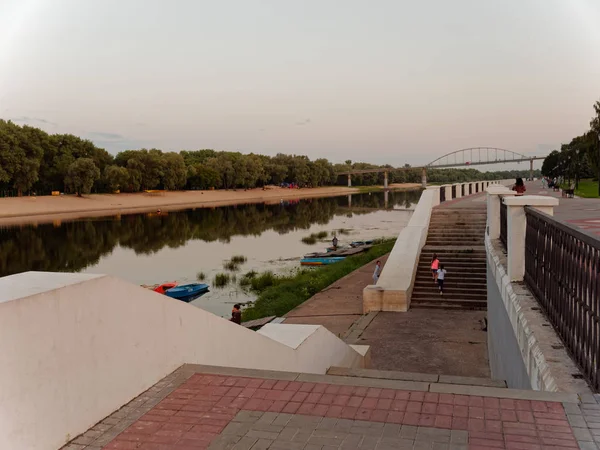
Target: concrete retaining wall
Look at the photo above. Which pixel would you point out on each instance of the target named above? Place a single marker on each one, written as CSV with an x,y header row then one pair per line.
x,y
76,347
523,347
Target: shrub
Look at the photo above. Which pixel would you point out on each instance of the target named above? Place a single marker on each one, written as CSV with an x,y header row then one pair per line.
x,y
201,276
221,280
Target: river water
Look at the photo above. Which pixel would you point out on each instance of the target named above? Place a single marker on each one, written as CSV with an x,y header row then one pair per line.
x,y
151,249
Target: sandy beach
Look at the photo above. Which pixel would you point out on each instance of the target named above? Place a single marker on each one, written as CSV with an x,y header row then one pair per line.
x,y
21,210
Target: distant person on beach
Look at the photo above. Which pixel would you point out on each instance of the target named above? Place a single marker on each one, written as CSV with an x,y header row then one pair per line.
x,y
376,272
236,314
334,241
441,275
435,265
519,187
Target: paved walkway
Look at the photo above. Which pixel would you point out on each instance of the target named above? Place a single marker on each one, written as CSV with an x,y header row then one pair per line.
x,y
220,408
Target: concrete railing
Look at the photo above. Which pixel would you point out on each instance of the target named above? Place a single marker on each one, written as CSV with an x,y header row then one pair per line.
x,y
76,347
394,287
522,348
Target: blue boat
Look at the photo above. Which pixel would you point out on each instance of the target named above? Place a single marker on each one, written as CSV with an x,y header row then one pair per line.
x,y
187,292
322,261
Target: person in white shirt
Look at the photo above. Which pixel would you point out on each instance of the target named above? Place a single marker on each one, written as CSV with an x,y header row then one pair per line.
x,y
441,275
377,272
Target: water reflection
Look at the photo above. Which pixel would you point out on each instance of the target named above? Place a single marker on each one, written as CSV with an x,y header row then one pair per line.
x,y
73,246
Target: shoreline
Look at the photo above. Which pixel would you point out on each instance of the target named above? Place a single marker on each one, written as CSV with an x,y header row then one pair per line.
x,y
46,209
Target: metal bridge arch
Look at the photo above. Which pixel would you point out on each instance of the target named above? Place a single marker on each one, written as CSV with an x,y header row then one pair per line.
x,y
476,156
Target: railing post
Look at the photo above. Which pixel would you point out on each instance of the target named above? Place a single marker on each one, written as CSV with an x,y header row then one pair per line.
x,y
436,195
349,180
458,190
448,191
516,228
493,209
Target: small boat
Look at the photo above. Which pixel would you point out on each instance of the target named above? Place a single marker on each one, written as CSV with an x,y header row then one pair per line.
x,y
163,288
187,292
360,243
322,261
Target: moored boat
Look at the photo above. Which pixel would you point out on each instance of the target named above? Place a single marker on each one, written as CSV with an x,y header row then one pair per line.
x,y
322,261
163,288
187,292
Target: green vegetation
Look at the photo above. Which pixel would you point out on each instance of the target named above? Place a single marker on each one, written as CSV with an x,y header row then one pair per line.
x,y
234,263
343,231
33,160
587,189
221,280
314,237
238,259
578,161
279,294
246,280
201,276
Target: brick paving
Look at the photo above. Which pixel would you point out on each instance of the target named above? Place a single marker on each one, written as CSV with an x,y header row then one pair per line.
x,y
239,412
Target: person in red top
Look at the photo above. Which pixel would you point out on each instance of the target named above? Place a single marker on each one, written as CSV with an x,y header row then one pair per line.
x,y
435,264
519,187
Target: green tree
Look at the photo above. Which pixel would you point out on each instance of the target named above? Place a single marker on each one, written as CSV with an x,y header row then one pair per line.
x,y
81,176
116,177
174,171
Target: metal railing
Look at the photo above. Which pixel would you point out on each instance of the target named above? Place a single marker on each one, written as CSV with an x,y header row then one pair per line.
x,y
562,269
442,194
503,223
453,191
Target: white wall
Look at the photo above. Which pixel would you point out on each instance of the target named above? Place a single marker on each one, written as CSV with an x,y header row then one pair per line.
x,y
394,287
73,354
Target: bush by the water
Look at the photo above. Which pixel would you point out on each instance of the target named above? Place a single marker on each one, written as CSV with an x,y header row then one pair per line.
x,y
238,259
279,294
234,263
246,280
221,280
314,237
201,276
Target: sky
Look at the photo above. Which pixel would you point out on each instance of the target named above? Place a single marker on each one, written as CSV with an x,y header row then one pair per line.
x,y
398,81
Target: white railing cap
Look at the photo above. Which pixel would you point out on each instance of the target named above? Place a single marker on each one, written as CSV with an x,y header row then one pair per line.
x,y
497,189
530,200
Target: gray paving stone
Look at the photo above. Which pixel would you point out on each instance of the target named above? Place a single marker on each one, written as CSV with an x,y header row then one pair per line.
x,y
224,442
247,416
328,423
588,446
408,432
282,419
369,443
577,421
458,447
262,444
459,437
422,445
267,418
582,434
440,446
571,408
262,434
391,430
245,443
395,444
316,440
287,434
236,429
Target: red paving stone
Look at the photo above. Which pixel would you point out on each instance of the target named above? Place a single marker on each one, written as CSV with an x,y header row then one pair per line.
x,y
195,413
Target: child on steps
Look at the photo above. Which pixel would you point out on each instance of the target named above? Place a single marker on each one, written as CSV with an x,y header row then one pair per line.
x,y
441,275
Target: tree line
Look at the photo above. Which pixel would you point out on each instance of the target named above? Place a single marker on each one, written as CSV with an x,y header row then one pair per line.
x,y
32,160
579,158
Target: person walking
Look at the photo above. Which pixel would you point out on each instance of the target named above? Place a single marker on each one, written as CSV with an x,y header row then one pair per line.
x,y
519,187
334,242
377,272
441,276
435,264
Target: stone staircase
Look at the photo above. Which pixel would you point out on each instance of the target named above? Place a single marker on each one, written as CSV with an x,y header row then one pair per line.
x,y
456,235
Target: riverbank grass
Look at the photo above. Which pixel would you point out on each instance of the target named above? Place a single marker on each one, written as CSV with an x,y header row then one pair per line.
x,y
587,189
278,295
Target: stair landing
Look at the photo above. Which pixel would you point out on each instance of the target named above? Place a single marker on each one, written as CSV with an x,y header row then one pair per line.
x,y
200,407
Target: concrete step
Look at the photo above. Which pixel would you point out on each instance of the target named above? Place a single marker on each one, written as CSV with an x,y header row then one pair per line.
x,y
449,294
410,376
460,305
477,279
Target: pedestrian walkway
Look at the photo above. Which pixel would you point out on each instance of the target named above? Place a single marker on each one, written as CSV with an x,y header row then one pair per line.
x,y
583,213
199,407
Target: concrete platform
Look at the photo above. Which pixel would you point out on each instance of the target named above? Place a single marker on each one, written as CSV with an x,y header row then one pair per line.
x,y
200,407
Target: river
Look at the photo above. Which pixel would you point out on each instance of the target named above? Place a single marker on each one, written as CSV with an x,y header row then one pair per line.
x,y
151,248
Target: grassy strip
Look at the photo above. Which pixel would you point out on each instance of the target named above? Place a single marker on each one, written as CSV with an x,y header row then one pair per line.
x,y
587,189
288,292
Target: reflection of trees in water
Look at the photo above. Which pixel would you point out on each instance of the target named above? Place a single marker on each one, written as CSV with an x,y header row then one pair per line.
x,y
73,246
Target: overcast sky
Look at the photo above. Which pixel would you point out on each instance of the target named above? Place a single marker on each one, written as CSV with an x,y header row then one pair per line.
x,y
380,81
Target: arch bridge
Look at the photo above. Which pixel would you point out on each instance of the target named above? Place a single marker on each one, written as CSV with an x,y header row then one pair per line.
x,y
465,157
